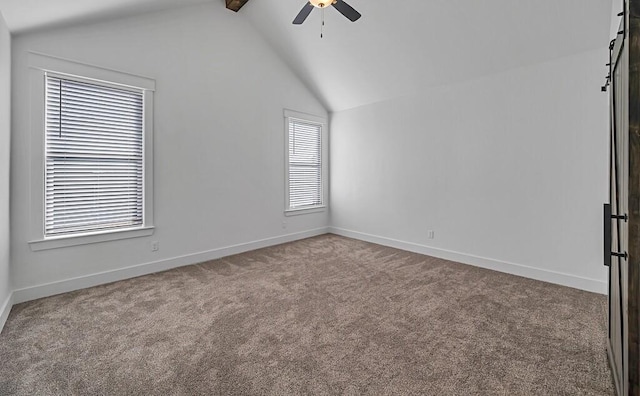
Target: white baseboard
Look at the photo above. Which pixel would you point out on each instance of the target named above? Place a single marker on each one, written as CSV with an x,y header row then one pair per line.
x,y
67,285
5,308
592,285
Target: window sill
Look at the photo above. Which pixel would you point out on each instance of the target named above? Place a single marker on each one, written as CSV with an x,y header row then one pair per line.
x,y
85,239
295,212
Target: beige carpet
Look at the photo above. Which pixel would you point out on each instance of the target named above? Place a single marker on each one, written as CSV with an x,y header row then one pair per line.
x,y
326,315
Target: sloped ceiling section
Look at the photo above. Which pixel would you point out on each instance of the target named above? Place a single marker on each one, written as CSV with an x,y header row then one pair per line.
x,y
395,49
28,15
399,47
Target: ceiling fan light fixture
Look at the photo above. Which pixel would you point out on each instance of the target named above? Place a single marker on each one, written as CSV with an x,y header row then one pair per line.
x,y
321,3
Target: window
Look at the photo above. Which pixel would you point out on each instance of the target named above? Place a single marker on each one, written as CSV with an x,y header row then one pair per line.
x,y
305,162
94,157
92,154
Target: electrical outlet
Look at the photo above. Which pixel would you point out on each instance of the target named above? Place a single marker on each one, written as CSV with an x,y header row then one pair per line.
x,y
155,246
431,234
284,224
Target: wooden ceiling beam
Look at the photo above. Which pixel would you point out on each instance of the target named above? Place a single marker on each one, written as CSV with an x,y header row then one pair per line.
x,y
235,5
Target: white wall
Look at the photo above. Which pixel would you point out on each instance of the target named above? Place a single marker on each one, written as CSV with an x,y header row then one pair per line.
x,y
219,142
616,8
509,170
5,139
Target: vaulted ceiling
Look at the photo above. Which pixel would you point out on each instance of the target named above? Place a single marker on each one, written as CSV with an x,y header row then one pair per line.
x,y
396,48
399,47
26,15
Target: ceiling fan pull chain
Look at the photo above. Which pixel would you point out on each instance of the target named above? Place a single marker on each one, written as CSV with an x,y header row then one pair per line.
x,y
322,25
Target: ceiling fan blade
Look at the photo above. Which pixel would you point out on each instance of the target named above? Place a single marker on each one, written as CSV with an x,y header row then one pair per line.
x,y
346,10
303,14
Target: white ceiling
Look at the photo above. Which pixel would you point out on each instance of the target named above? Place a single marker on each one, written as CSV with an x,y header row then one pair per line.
x,y
395,49
398,47
25,15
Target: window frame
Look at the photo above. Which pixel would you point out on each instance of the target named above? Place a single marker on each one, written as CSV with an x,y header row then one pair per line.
x,y
39,66
290,115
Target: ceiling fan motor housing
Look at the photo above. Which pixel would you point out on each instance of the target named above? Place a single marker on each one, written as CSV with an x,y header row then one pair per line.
x,y
321,3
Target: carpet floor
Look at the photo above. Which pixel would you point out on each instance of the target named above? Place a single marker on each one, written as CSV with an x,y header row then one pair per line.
x,y
325,315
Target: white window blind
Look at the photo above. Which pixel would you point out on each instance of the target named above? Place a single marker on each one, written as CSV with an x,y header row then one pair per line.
x,y
305,164
94,157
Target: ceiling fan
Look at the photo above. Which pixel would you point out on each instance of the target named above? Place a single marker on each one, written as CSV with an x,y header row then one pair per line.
x,y
342,7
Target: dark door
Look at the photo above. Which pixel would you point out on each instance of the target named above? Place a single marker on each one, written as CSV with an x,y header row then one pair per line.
x,y
622,215
616,215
